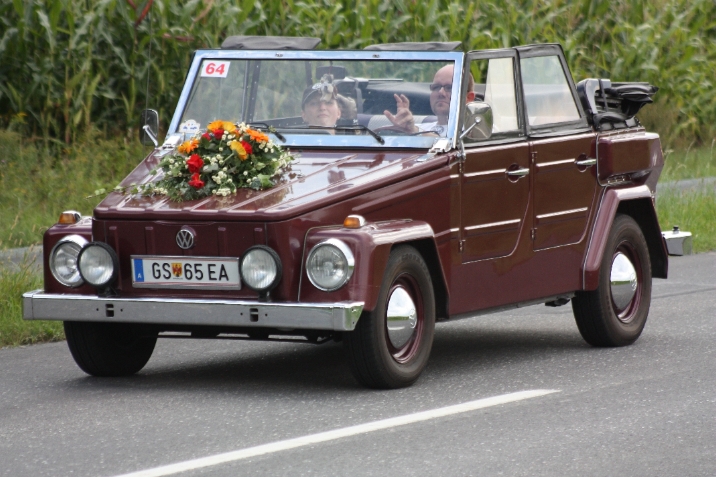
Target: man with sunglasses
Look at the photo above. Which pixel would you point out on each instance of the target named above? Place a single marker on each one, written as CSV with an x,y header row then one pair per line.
x,y
440,94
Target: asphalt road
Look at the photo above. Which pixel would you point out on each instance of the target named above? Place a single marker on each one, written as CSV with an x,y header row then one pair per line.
x,y
643,410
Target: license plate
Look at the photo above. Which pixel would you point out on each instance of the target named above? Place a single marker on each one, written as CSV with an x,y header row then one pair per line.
x,y
211,273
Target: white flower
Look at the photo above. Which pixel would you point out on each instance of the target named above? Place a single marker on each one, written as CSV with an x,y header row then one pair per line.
x,y
221,149
246,173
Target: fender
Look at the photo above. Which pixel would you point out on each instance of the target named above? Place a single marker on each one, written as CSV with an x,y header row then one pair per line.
x,y
371,246
636,202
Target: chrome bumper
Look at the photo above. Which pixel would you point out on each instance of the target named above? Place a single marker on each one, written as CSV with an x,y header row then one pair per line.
x,y
342,316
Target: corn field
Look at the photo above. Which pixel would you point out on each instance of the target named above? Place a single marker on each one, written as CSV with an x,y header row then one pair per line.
x,y
69,68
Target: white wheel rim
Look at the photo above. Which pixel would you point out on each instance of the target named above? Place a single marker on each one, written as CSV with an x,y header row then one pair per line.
x,y
623,281
401,317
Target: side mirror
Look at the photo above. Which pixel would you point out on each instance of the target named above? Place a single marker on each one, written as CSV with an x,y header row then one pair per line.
x,y
478,121
149,128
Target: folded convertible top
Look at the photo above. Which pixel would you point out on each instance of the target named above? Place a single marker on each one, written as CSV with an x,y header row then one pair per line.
x,y
614,105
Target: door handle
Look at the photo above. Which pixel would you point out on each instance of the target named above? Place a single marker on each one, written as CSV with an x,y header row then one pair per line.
x,y
586,162
518,173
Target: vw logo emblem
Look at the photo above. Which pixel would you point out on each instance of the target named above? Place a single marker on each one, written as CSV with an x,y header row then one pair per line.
x,y
185,239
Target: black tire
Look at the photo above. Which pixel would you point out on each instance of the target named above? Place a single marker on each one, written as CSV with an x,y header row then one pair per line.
x,y
600,319
374,359
110,349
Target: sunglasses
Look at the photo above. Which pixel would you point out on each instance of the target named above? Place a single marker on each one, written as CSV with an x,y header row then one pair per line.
x,y
437,87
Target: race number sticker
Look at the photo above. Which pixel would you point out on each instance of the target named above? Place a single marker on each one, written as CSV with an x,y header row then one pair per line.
x,y
215,69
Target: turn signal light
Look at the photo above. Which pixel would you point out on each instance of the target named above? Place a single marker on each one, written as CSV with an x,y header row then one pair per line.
x,y
354,222
69,217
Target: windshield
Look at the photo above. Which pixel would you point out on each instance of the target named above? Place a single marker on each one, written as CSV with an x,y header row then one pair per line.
x,y
324,101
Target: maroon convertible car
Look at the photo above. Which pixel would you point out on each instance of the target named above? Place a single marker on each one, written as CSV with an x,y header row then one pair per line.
x,y
446,185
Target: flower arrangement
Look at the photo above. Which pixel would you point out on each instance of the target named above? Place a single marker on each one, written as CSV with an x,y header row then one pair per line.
x,y
219,161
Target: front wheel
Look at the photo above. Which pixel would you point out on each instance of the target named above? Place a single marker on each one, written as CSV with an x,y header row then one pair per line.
x,y
110,349
615,313
391,344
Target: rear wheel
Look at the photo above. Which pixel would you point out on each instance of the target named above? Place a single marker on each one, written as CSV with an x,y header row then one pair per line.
x,y
110,349
615,313
391,344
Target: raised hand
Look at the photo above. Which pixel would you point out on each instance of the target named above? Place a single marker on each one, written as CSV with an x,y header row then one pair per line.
x,y
403,118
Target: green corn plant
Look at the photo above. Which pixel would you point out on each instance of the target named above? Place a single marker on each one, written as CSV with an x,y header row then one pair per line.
x,y
74,67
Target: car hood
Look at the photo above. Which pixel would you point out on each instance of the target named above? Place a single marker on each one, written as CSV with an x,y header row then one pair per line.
x,y
314,179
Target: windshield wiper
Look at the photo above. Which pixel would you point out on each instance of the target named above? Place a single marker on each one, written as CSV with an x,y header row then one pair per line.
x,y
267,128
356,127
360,127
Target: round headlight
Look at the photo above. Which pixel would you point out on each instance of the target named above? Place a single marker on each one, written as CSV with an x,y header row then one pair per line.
x,y
98,264
330,265
63,260
260,268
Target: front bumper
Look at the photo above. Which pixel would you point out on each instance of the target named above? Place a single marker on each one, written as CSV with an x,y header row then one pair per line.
x,y
38,305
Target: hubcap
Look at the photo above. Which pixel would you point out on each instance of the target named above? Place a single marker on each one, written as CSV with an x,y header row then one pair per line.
x,y
402,317
623,280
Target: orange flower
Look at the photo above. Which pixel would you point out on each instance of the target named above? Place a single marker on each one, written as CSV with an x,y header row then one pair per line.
x,y
238,148
188,146
218,124
227,126
257,136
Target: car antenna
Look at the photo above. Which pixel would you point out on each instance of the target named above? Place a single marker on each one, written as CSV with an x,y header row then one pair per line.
x,y
149,61
145,122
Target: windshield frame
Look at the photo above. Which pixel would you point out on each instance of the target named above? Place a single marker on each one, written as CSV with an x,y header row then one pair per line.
x,y
338,141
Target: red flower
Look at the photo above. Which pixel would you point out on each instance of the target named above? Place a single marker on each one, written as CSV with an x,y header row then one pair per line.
x,y
206,136
196,182
195,163
247,147
218,133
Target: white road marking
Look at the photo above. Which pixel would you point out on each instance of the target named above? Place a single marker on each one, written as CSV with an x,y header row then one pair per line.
x,y
337,434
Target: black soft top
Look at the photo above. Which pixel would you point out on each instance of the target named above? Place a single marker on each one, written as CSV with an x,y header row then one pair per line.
x,y
417,46
241,42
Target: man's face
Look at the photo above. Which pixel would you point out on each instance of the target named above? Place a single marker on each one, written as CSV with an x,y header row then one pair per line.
x,y
321,113
441,91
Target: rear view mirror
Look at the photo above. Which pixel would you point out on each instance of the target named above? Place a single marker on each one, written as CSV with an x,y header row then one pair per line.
x,y
478,121
338,72
149,128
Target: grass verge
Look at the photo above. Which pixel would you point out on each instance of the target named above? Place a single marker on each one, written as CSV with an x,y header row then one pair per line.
x,y
37,184
691,163
693,211
14,331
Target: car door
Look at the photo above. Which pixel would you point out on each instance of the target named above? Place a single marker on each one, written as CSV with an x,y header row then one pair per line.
x,y
494,182
562,149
